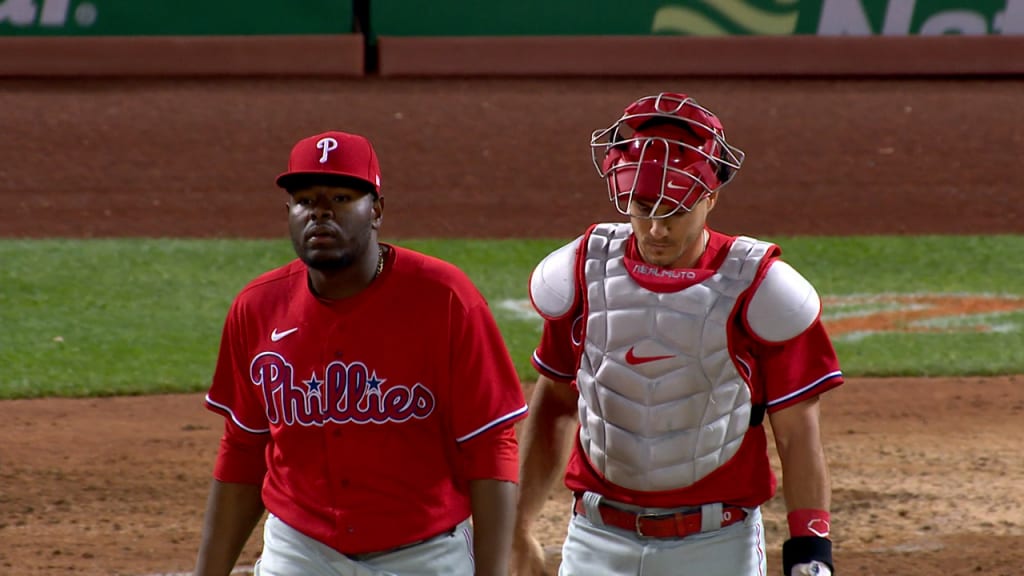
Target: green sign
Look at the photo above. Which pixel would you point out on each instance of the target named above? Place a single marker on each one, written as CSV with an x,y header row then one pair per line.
x,y
173,17
513,17
695,17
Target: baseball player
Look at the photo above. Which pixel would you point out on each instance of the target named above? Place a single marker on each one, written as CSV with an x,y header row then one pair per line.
x,y
368,396
665,346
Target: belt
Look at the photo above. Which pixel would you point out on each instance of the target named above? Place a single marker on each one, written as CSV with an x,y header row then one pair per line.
x,y
660,525
372,555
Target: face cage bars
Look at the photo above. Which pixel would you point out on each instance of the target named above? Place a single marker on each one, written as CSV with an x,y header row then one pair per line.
x,y
603,140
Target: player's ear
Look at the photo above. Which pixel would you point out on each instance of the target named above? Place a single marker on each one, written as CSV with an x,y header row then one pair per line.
x,y
712,200
378,211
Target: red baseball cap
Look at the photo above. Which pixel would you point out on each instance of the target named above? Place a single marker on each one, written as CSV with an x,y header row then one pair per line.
x,y
332,154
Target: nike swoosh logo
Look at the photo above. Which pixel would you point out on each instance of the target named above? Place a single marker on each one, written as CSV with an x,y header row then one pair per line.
x,y
275,335
633,359
671,185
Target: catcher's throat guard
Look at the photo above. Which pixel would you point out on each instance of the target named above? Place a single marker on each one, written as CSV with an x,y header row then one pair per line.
x,y
666,151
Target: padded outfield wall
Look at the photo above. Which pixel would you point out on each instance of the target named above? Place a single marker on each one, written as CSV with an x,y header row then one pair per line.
x,y
346,38
259,73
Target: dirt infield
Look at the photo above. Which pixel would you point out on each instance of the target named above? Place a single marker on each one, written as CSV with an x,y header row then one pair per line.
x,y
926,479
926,473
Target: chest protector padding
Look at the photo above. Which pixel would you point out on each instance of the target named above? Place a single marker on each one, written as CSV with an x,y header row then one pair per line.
x,y
661,402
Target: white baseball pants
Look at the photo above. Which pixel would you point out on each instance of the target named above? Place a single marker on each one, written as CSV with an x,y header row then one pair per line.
x,y
288,552
736,550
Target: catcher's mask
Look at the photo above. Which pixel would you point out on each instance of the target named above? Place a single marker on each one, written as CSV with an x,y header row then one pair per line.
x,y
666,150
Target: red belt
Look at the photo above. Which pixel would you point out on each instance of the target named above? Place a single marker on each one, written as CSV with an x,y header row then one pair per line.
x,y
671,525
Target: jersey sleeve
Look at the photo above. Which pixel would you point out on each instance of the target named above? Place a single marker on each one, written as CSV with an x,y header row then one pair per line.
x,y
487,393
493,454
800,368
232,393
555,356
241,456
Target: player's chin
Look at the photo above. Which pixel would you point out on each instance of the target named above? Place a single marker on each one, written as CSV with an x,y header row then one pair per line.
x,y
325,260
660,256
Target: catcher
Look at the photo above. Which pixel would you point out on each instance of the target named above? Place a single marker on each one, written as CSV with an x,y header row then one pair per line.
x,y
666,345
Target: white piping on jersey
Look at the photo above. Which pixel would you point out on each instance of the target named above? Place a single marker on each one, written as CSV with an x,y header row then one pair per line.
x,y
803,390
746,367
492,424
549,368
233,418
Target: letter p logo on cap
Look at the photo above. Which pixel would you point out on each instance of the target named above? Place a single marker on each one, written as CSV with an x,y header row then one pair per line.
x,y
327,145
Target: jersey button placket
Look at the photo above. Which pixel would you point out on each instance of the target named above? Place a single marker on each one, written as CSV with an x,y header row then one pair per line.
x,y
334,438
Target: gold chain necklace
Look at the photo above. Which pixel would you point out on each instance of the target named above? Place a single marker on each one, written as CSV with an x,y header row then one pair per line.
x,y
380,261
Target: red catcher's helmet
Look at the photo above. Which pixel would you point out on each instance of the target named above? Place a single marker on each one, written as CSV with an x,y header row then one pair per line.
x,y
667,150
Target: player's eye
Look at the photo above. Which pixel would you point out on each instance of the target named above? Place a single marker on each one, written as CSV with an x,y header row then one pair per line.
x,y
638,208
341,198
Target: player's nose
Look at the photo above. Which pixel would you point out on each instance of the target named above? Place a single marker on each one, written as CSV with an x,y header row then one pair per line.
x,y
321,208
659,228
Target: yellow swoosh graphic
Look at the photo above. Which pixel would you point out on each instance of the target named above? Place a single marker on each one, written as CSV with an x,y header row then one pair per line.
x,y
688,21
685,21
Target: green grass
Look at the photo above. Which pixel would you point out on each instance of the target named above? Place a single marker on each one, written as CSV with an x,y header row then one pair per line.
x,y
102,317
117,317
861,264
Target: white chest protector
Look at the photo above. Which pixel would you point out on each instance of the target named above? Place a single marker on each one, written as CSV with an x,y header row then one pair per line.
x,y
662,404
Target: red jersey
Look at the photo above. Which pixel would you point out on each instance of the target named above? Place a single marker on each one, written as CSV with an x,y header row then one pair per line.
x,y
778,376
365,418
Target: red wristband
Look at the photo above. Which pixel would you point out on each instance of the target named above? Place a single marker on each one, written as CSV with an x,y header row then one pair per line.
x,y
809,522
